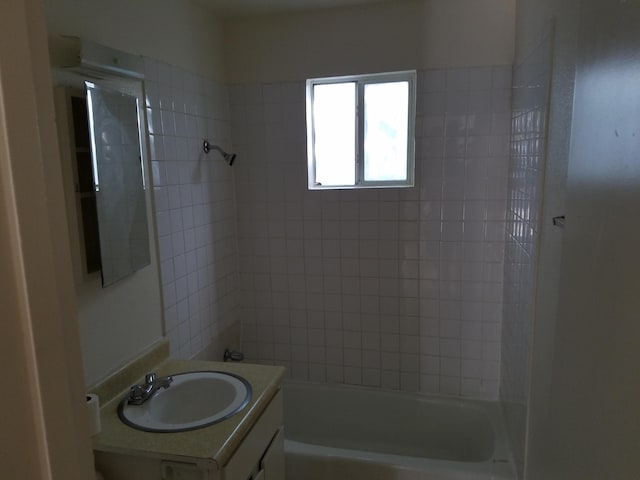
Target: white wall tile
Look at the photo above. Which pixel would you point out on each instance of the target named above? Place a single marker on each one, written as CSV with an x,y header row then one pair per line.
x,y
379,274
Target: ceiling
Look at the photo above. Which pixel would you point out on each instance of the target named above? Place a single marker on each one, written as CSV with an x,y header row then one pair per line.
x,y
250,7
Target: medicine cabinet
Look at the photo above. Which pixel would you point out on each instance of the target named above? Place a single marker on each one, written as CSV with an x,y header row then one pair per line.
x,y
102,135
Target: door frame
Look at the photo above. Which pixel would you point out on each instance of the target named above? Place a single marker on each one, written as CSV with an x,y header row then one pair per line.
x,y
45,430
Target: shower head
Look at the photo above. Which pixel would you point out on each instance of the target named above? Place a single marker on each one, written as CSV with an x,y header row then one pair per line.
x,y
228,157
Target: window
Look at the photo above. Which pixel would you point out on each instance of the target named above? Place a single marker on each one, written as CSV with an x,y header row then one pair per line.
x,y
360,131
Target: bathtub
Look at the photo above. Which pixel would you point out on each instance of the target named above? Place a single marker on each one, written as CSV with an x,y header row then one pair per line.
x,y
335,432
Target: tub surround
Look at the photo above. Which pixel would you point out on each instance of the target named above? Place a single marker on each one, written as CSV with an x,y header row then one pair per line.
x,y
399,289
532,77
194,209
211,446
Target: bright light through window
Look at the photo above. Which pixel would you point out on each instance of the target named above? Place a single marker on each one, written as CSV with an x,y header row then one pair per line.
x,y
360,131
334,113
386,126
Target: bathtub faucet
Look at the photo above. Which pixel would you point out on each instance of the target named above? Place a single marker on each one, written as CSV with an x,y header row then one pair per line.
x,y
152,383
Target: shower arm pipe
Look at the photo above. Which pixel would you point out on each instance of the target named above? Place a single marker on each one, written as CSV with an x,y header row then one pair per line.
x,y
229,157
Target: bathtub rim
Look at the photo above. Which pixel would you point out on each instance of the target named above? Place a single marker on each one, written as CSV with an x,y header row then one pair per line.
x,y
442,469
500,463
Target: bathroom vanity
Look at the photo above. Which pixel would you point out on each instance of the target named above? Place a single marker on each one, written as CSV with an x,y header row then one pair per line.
x,y
246,446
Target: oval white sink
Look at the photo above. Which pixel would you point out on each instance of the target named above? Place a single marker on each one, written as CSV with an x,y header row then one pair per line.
x,y
193,400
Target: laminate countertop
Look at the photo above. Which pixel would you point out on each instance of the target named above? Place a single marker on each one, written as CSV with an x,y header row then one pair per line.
x,y
213,445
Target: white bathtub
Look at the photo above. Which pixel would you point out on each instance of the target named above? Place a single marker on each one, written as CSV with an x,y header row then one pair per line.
x,y
336,432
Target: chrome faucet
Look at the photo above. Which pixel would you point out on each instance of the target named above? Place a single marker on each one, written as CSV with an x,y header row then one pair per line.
x,y
152,383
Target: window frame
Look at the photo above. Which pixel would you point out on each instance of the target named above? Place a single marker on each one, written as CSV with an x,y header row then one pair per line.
x,y
360,81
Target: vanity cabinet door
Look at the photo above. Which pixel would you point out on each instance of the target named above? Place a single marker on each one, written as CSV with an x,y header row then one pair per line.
x,y
272,463
246,461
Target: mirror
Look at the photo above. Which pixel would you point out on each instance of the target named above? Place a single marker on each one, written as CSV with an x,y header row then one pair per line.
x,y
101,125
118,181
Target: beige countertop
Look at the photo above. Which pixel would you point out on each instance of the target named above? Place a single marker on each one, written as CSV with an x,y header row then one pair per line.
x,y
211,445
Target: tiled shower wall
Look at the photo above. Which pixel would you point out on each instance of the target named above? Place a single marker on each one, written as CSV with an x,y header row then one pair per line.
x,y
526,175
390,288
194,206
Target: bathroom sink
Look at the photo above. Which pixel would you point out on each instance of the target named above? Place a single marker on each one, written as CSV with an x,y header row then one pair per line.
x,y
192,400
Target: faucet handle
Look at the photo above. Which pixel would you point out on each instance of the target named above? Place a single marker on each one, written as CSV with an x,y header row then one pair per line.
x,y
137,394
233,355
150,378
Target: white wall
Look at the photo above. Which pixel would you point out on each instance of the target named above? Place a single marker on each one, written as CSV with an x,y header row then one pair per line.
x,y
590,429
118,322
180,33
385,37
581,417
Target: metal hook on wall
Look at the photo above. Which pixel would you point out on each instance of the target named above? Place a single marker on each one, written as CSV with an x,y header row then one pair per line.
x,y
558,221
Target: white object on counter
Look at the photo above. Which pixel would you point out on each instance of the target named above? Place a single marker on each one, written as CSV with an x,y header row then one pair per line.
x,y
93,412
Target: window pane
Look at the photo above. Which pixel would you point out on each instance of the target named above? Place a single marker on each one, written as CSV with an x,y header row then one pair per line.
x,y
334,113
386,115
